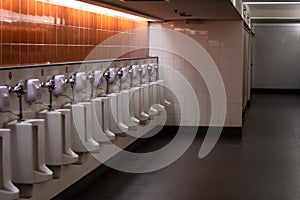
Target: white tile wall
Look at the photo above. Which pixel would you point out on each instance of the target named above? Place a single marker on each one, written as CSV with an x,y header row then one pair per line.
x,y
214,52
223,41
178,63
276,56
204,114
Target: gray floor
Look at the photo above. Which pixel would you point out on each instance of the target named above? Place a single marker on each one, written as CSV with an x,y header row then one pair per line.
x,y
263,164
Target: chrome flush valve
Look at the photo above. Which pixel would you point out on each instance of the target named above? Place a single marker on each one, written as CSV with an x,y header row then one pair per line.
x,y
107,77
72,82
51,87
130,72
120,74
20,91
91,78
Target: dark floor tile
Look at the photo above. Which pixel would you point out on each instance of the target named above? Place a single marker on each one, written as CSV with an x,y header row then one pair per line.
x,y
262,164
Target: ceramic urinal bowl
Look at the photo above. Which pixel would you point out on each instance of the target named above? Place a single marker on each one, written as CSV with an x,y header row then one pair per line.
x,y
116,124
81,128
143,102
128,117
137,103
148,100
58,137
120,110
154,100
28,152
101,132
161,94
134,105
7,190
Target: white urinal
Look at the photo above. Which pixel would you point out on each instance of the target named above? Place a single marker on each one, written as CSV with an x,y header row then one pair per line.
x,y
137,102
28,152
134,104
145,98
7,190
105,122
97,111
116,124
81,129
154,97
144,117
161,94
128,117
148,100
100,123
120,109
58,137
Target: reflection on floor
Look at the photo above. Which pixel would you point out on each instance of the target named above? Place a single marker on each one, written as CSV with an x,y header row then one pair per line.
x,y
263,164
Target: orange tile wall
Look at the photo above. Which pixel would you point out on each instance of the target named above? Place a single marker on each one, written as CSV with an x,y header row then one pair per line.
x,y
34,32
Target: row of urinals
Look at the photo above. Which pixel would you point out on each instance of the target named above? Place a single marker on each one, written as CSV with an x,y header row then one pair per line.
x,y
57,135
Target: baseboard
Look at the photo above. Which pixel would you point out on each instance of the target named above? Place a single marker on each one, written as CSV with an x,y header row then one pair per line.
x,y
274,91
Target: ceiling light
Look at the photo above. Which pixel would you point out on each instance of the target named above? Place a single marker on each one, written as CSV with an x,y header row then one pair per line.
x,y
93,8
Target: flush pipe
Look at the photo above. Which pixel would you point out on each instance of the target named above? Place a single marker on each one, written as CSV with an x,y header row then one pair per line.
x,y
120,74
51,87
91,78
20,91
72,82
149,72
140,70
130,71
107,77
156,72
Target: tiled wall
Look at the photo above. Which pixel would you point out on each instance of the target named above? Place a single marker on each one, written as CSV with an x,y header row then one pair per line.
x,y
37,32
276,56
223,41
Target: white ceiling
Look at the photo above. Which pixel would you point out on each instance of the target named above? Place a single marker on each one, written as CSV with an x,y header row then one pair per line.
x,y
163,10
